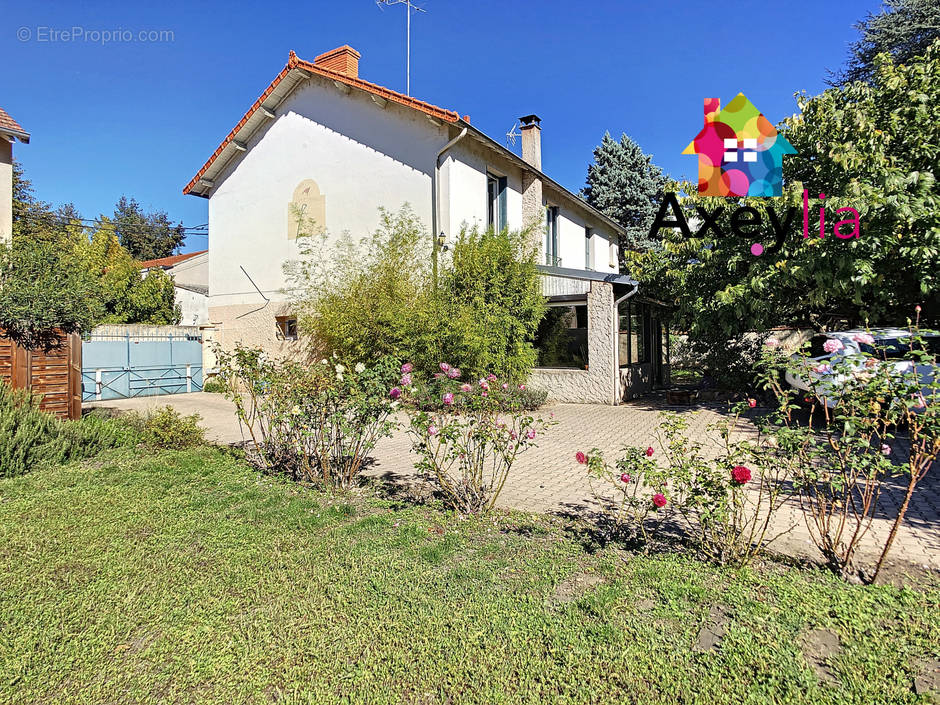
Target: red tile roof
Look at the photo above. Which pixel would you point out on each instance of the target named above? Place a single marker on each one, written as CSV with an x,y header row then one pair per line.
x,y
169,261
11,126
294,62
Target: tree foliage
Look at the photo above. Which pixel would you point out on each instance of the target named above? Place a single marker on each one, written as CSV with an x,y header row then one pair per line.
x,y
377,298
874,148
903,29
145,235
625,185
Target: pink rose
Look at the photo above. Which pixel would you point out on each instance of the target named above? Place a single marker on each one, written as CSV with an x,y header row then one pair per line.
x,y
453,373
513,435
522,387
449,398
772,343
917,308
432,430
530,434
484,393
580,457
484,384
832,345
864,338
406,380
740,474
407,367
659,500
625,478
885,449
649,452
465,387
505,386
395,393
444,367
491,377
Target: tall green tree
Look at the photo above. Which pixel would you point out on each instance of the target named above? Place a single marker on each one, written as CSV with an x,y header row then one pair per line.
x,y
625,185
873,148
903,29
146,235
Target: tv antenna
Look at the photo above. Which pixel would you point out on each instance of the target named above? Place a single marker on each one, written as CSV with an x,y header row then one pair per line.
x,y
409,8
511,135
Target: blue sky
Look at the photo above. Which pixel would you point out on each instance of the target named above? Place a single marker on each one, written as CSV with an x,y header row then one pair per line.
x,y
140,118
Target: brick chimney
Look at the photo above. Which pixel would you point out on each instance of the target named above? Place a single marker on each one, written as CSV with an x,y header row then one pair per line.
x,y
343,60
533,209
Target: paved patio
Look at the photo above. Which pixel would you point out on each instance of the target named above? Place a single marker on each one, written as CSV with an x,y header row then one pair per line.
x,y
546,479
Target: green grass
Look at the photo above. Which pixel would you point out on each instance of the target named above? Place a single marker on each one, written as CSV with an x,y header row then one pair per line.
x,y
185,577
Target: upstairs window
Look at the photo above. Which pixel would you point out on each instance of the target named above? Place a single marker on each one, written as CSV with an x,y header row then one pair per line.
x,y
551,236
495,202
588,249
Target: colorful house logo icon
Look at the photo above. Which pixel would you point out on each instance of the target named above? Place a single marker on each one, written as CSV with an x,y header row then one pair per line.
x,y
739,151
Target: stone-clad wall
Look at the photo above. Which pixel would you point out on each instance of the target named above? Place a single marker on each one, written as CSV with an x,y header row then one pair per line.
x,y
596,384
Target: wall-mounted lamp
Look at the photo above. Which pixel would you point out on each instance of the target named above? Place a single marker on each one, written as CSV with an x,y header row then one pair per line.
x,y
442,242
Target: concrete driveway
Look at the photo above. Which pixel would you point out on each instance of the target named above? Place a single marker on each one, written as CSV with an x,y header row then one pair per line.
x,y
546,479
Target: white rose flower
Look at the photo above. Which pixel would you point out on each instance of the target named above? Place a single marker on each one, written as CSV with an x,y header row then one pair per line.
x,y
340,369
360,368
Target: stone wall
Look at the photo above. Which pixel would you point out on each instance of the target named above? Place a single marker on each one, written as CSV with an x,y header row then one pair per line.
x,y
595,385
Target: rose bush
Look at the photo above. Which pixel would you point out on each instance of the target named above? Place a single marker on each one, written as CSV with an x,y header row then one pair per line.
x,y
315,423
726,506
466,434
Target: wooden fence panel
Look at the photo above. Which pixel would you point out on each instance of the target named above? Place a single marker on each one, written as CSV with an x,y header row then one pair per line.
x,y
55,376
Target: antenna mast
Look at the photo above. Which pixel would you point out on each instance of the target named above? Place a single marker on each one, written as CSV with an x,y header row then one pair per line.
x,y
409,8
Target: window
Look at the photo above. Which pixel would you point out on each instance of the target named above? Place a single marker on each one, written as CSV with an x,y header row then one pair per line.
x,y
562,337
634,334
495,202
286,327
588,249
551,236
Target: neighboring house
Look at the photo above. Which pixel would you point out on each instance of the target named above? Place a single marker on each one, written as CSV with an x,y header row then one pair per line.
x,y
739,151
324,144
10,131
190,273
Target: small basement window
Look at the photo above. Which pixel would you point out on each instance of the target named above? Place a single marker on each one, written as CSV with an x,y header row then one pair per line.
x,y
286,327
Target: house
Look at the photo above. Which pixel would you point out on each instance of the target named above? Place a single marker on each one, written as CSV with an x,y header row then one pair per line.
x,y
739,151
322,142
190,274
10,131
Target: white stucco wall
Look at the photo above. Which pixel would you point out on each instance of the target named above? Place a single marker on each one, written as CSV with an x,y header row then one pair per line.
x,y
191,272
6,190
194,306
361,157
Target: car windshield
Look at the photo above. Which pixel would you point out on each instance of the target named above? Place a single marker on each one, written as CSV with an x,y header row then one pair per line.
x,y
899,349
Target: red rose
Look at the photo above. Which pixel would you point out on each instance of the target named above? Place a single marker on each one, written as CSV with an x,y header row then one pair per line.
x,y
649,452
740,474
625,478
659,500
580,457
752,403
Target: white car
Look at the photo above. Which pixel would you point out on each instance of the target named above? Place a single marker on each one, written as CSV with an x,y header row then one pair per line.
x,y
893,345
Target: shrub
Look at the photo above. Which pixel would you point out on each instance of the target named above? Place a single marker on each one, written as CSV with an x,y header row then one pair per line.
x,y
727,499
214,385
166,428
378,298
316,423
468,447
842,454
30,437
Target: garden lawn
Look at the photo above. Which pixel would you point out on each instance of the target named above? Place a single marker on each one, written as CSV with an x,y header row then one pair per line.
x,y
186,577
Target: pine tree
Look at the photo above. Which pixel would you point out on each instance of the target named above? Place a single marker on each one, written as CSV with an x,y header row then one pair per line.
x,y
625,185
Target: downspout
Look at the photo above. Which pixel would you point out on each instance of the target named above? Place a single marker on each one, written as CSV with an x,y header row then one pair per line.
x,y
617,302
435,178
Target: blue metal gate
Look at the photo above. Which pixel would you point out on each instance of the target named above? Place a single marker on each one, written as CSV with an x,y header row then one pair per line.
x,y
136,363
